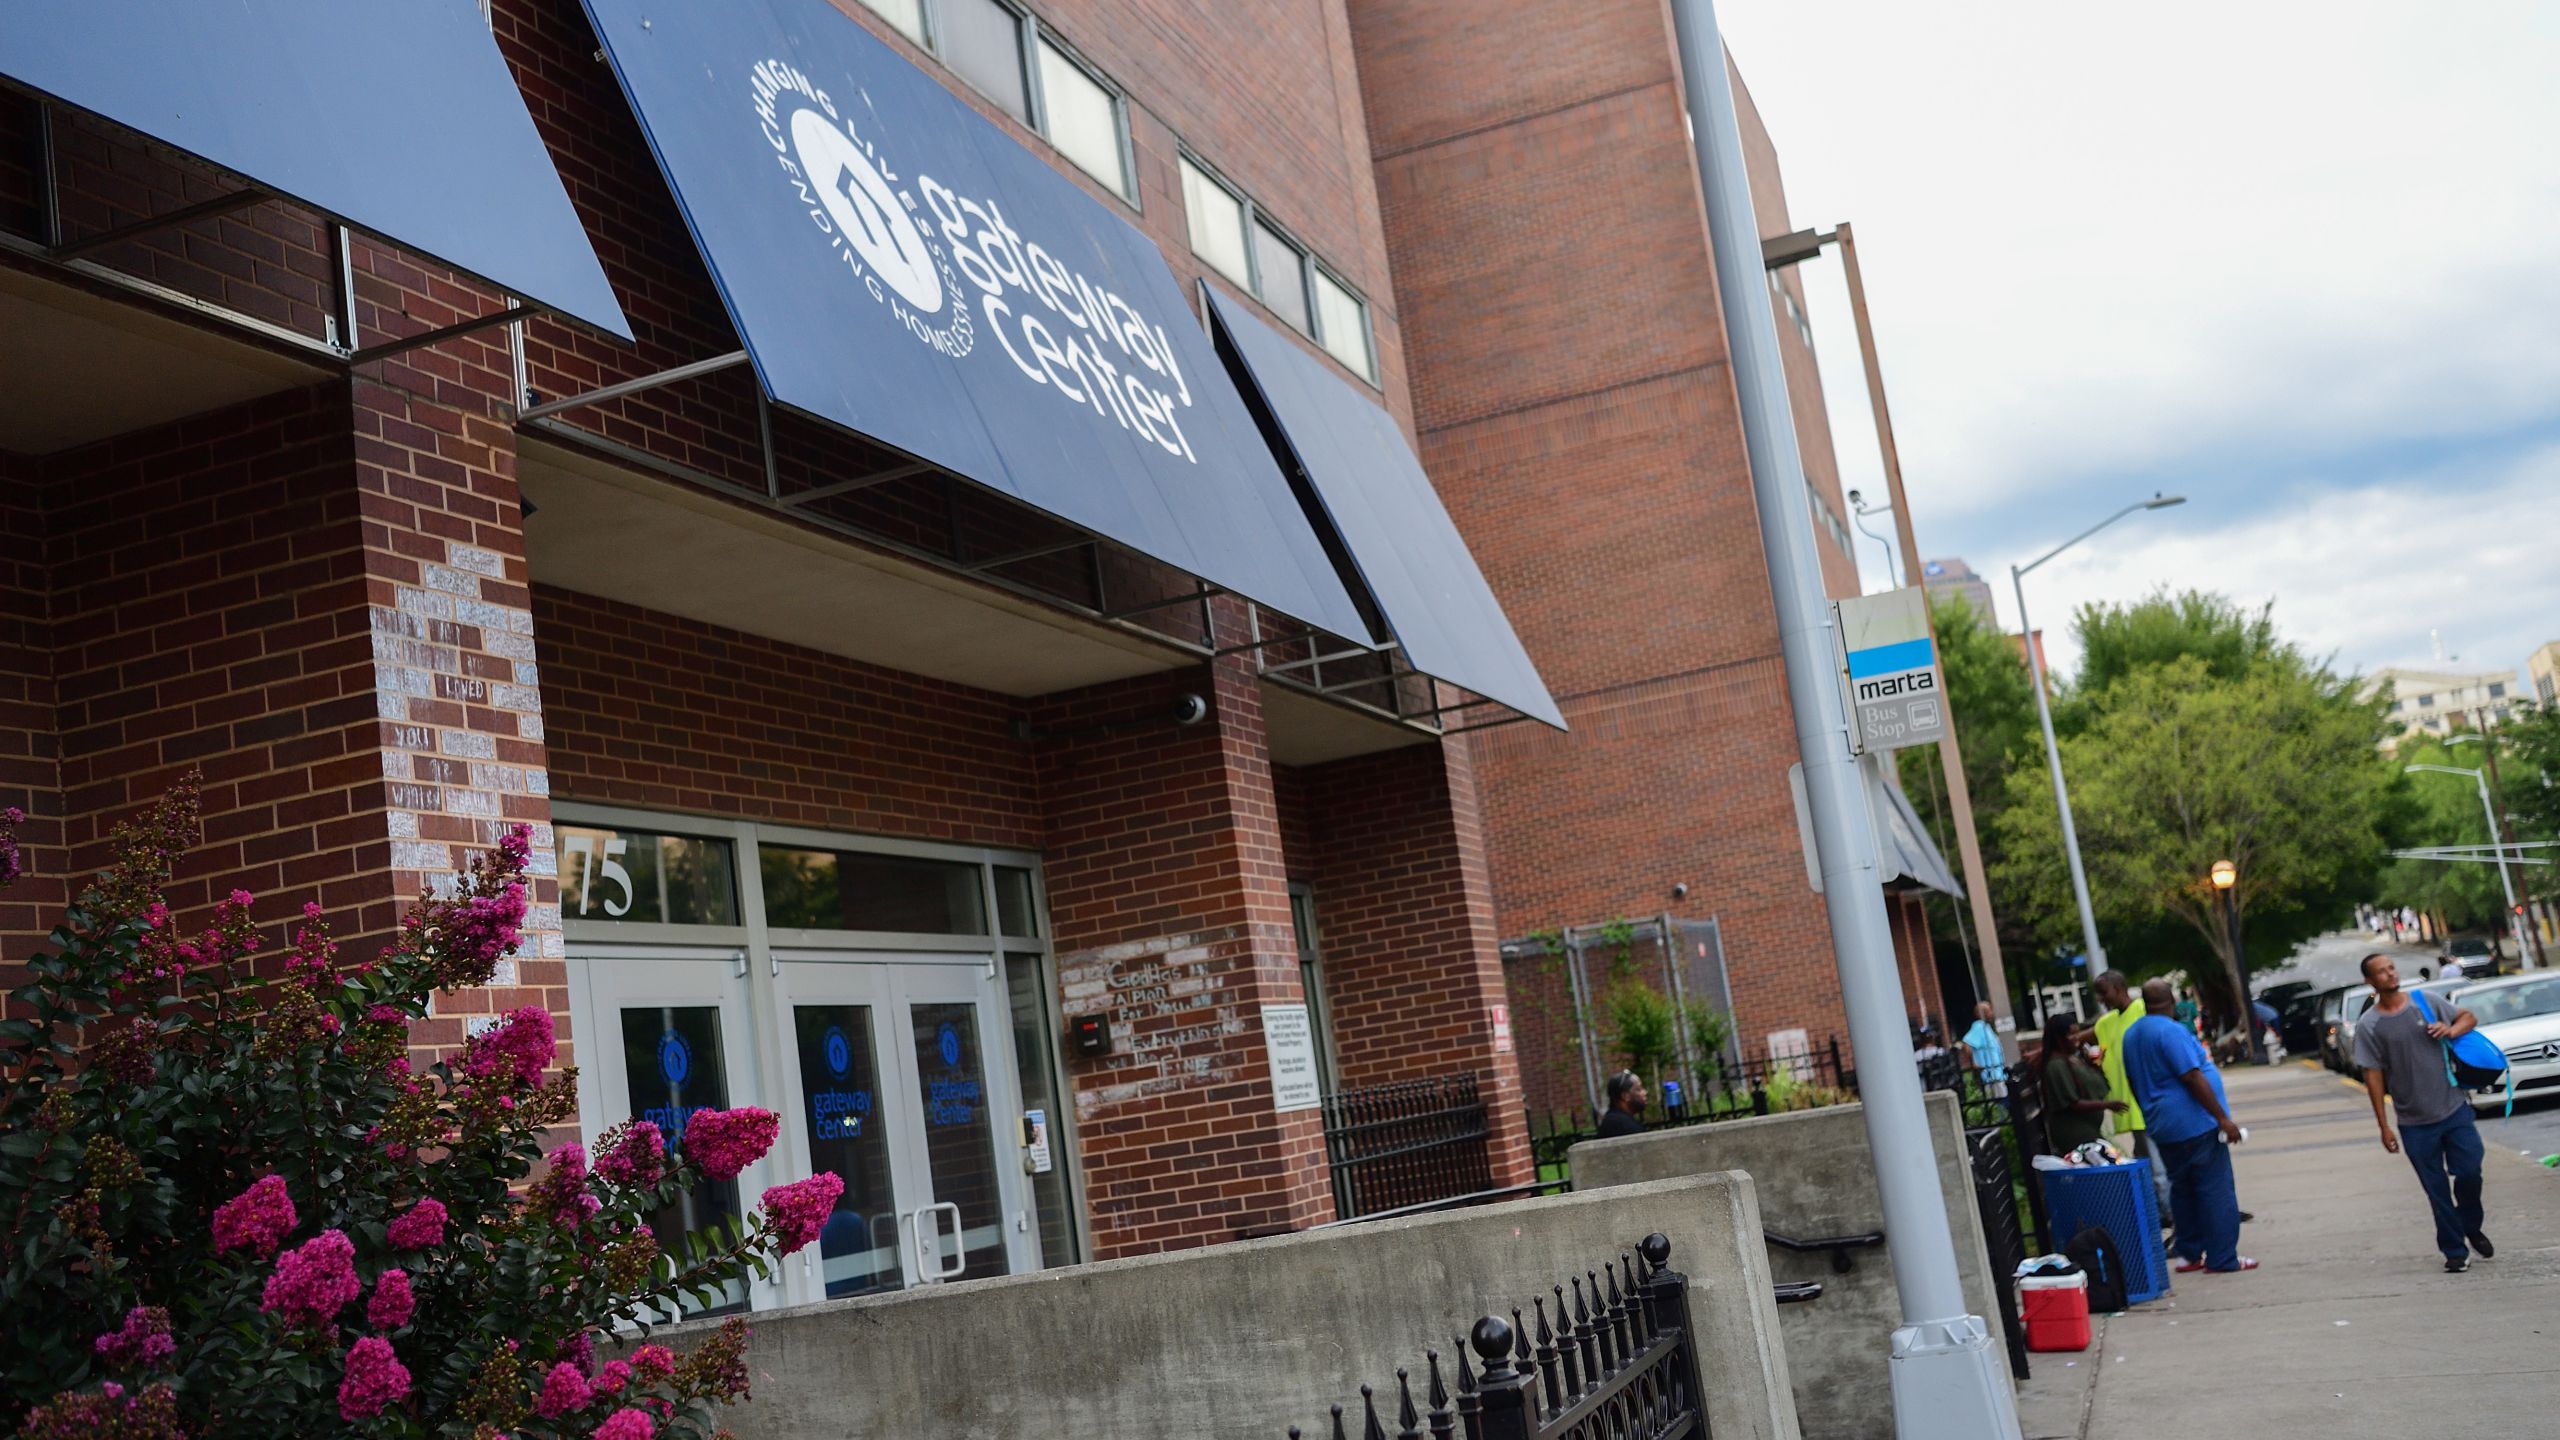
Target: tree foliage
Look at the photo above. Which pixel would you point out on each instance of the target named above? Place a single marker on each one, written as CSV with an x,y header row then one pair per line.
x,y
234,1208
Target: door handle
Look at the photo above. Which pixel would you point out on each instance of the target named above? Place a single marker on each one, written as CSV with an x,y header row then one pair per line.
x,y
913,1220
959,1250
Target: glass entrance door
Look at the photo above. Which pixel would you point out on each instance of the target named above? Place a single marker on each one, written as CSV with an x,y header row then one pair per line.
x,y
675,1043
889,1087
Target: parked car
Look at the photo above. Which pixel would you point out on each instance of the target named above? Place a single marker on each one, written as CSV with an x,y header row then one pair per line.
x,y
2479,957
2521,1015
2294,1003
2326,1020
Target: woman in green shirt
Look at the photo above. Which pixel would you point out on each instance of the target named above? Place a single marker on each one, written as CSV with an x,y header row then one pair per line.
x,y
2075,1091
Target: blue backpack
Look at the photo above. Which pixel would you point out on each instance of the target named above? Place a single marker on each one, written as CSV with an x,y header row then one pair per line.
x,y
2472,1061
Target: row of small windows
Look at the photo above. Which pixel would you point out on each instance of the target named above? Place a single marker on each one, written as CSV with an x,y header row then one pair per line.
x,y
1007,57
1829,521
1003,52
1229,232
2497,691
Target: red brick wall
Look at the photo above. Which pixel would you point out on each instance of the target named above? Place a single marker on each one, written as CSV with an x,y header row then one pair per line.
x,y
658,712
1391,845
1576,409
30,756
1169,895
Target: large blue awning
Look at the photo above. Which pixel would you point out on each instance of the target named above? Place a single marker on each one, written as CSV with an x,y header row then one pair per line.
x,y
1398,535
396,117
896,264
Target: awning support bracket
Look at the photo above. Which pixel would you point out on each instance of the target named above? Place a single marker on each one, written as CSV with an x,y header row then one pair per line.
x,y
621,388
859,482
1201,595
1036,552
201,210
437,336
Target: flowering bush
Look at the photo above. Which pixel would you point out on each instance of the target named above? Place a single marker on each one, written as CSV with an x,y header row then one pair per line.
x,y
236,1207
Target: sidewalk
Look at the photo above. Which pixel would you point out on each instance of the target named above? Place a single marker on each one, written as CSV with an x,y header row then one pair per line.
x,y
2352,1329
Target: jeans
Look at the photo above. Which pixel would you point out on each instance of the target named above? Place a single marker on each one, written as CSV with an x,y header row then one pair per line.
x,y
2446,1156
2203,1199
2159,1180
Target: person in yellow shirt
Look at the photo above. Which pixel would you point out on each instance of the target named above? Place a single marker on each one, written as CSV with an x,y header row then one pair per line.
x,y
2123,1008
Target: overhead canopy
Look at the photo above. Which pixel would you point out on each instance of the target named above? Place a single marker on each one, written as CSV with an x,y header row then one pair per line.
x,y
1397,535
399,119
896,264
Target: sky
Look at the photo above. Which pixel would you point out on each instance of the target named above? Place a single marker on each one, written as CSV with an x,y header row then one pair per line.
x,y
2297,263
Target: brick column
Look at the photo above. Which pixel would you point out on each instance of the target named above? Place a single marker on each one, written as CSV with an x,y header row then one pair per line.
x,y
1412,963
1170,902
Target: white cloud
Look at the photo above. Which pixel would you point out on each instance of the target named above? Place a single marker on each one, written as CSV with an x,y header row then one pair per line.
x,y
2101,239
2364,572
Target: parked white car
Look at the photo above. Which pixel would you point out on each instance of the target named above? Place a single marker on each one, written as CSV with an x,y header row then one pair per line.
x,y
2521,1015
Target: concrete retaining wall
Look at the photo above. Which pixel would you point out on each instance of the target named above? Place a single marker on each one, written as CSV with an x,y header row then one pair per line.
x,y
1813,1177
1248,1339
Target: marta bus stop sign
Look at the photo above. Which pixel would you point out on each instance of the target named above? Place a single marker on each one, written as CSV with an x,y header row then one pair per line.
x,y
1890,666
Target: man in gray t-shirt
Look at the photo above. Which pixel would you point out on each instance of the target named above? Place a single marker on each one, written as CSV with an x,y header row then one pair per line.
x,y
2403,1052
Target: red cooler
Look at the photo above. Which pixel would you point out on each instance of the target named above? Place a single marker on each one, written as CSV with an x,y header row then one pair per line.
x,y
2056,1309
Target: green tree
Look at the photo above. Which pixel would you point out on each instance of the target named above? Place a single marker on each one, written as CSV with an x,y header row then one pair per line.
x,y
2438,809
2529,770
1992,703
1642,1027
2175,767
2118,640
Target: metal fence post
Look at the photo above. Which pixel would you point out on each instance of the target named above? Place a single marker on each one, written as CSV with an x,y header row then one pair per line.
x,y
1504,1392
1666,1300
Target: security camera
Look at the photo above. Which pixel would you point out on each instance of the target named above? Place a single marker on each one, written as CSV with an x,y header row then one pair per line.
x,y
1857,499
1190,710
1680,891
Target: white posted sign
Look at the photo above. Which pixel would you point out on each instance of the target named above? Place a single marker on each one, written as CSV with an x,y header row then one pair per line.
x,y
1890,666
1291,1043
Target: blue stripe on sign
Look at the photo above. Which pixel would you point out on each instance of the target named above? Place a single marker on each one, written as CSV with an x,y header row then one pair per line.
x,y
1886,659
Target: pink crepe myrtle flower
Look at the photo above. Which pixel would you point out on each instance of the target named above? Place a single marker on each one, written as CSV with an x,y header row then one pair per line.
x,y
562,1192
315,956
375,1380
724,1142
799,1210
563,1390
626,1425
393,1301
257,1218
518,1048
143,1339
578,1350
611,1379
653,1362
639,1157
420,1229
313,1281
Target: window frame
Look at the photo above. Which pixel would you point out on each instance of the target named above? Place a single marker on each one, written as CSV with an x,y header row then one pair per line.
x,y
1368,326
1310,263
1036,87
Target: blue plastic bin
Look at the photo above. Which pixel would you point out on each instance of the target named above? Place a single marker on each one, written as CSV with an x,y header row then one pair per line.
x,y
2116,1199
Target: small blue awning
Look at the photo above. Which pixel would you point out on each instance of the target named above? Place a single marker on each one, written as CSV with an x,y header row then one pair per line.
x,y
897,265
1397,534
396,117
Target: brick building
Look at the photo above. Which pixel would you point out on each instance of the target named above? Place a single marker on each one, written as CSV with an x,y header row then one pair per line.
x,y
883,728
1574,405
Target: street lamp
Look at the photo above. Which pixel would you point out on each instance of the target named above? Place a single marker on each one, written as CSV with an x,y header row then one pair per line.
x,y
1859,510
2226,878
2044,717
2515,922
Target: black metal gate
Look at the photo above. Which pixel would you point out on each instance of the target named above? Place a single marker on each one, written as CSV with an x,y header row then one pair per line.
x,y
1407,1143
1623,1367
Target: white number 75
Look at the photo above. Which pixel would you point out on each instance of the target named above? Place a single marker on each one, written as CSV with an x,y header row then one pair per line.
x,y
583,846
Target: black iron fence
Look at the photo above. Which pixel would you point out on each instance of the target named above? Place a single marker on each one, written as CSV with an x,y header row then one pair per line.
x,y
1406,1144
1724,1089
1624,1366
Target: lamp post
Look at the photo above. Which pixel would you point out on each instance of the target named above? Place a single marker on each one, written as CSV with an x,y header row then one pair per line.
x,y
2502,835
2226,880
2515,925
1859,510
2044,717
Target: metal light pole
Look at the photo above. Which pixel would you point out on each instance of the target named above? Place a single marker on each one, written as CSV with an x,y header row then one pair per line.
x,y
1947,1380
2515,927
2097,955
2226,881
1859,510
1777,253
2503,835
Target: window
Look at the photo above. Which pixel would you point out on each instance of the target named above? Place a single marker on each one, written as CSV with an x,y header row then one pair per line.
x,y
644,879
2427,701
982,40
1280,270
907,15
2547,687
1342,326
2497,689
1215,218
1302,922
1082,118
858,890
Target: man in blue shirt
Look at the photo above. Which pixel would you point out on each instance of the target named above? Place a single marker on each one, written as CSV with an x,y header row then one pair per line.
x,y
2191,1130
1989,1064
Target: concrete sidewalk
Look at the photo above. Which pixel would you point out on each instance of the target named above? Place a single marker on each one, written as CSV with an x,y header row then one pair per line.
x,y
2352,1329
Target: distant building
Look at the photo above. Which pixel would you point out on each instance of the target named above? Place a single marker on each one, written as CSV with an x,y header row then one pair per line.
x,y
2542,673
2438,701
1951,576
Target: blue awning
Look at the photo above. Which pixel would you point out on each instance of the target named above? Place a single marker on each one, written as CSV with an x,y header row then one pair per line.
x,y
1397,535
897,265
396,117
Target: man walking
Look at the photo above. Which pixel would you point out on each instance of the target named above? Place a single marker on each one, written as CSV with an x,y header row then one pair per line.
x,y
2123,1008
1982,1042
2402,1051
2191,1129
1626,1106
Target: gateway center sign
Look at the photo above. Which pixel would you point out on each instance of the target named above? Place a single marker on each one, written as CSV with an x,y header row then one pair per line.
x,y
1890,666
